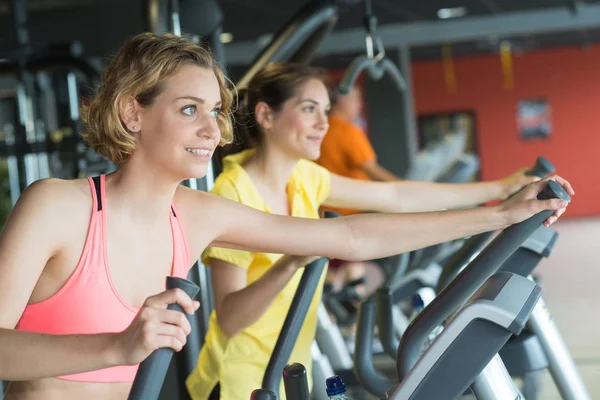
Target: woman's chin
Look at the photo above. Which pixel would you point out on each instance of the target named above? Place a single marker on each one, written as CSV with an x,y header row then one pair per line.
x,y
313,155
193,173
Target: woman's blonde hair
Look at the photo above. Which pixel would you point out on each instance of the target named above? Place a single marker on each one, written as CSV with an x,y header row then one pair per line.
x,y
138,70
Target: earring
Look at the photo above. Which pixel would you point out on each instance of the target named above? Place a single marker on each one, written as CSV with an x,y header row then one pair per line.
x,y
134,129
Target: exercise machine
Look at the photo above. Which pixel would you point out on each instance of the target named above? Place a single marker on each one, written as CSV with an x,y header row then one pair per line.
x,y
483,306
539,347
470,348
400,287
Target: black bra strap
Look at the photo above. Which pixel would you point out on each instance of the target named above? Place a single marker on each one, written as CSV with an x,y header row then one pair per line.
x,y
96,180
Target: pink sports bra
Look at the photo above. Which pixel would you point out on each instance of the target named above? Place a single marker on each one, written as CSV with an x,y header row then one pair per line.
x,y
88,302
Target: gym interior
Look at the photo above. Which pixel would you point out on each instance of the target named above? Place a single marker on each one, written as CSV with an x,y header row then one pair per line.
x,y
451,91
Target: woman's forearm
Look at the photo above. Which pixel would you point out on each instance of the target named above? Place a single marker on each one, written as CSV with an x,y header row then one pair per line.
x,y
245,307
427,196
374,236
29,355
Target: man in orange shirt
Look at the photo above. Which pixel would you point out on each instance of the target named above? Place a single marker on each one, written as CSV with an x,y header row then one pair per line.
x,y
347,151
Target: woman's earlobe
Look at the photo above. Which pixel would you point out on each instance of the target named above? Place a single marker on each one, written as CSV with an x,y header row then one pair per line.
x,y
129,110
263,115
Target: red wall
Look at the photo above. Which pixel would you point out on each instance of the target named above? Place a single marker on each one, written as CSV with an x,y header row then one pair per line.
x,y
568,78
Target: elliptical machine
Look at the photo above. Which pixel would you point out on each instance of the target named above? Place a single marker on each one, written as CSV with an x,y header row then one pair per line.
x,y
483,307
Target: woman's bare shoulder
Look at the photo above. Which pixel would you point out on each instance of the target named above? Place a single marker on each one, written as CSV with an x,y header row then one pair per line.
x,y
59,191
60,197
197,204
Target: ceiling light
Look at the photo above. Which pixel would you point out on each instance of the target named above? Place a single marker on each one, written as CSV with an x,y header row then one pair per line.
x,y
226,37
456,12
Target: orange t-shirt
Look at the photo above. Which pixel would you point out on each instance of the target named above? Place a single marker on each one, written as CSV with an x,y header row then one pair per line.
x,y
345,149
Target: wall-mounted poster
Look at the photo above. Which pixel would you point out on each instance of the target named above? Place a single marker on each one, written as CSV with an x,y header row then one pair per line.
x,y
534,119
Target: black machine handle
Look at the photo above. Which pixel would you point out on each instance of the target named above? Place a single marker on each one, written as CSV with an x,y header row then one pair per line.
x,y
152,371
542,168
263,394
488,262
387,296
298,39
371,379
375,69
295,382
292,324
526,258
521,262
293,321
461,258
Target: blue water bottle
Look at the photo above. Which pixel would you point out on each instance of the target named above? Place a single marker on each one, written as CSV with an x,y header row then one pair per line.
x,y
336,390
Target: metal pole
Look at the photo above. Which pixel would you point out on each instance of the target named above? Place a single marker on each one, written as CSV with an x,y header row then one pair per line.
x,y
174,17
13,165
331,342
410,123
494,383
561,364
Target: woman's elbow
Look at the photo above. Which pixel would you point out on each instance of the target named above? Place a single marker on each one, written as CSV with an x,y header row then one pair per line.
x,y
350,245
356,254
227,326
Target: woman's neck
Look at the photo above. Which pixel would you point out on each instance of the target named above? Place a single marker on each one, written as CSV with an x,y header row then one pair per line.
x,y
139,192
272,168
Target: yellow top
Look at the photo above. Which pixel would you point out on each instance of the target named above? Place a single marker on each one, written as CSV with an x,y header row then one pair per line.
x,y
238,364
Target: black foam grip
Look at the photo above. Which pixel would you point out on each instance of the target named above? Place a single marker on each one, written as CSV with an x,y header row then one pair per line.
x,y
263,394
152,371
542,168
295,381
554,191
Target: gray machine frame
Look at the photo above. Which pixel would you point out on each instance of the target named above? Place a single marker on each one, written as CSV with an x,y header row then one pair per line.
x,y
498,310
469,280
559,362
